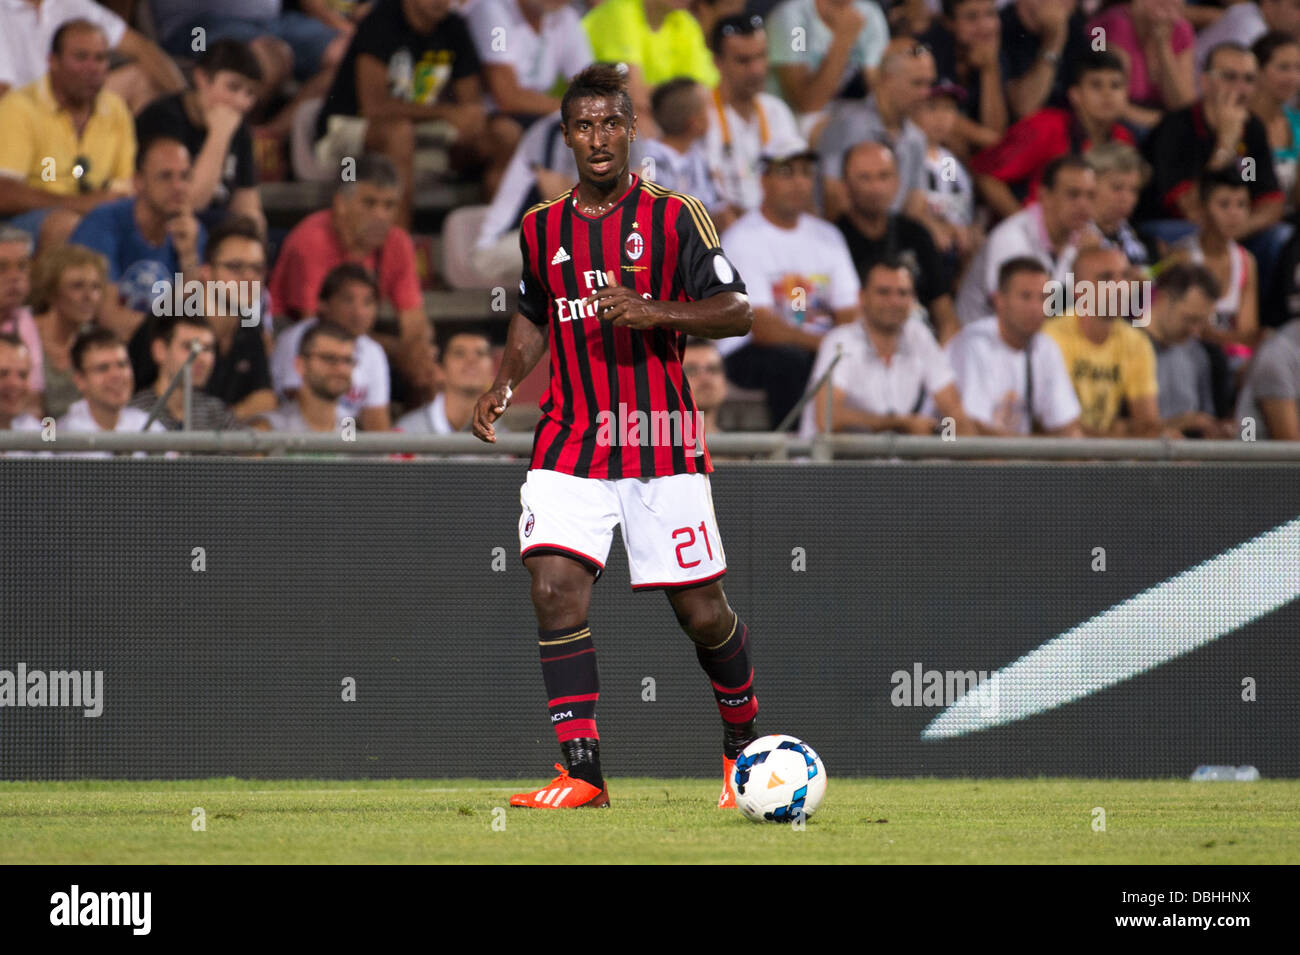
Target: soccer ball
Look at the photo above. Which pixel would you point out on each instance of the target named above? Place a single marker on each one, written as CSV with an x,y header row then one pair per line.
x,y
778,778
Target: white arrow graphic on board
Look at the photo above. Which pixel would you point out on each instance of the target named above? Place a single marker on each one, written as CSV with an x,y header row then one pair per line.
x,y
1160,624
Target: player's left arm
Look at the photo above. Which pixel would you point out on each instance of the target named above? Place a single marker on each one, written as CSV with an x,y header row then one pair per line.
x,y
718,306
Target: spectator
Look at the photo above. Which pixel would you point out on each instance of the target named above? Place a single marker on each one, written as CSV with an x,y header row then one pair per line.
x,y
150,240
844,41
1181,307
1051,230
16,318
360,227
1270,399
1120,171
1040,40
545,45
707,378
1278,55
410,61
1111,363
467,374
68,284
68,143
888,368
29,30
966,42
1247,22
103,374
16,385
1157,46
326,357
677,157
1225,202
658,40
349,299
906,75
1007,175
211,120
1012,379
174,337
799,276
947,187
744,119
873,233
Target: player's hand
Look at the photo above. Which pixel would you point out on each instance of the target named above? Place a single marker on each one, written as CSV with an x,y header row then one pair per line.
x,y
623,306
490,406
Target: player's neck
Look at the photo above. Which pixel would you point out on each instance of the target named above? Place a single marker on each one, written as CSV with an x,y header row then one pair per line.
x,y
594,199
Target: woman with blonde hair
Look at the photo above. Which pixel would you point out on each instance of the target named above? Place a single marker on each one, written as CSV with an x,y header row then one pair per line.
x,y
68,284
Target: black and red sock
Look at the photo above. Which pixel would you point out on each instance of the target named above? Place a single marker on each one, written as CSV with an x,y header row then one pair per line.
x,y
731,673
572,690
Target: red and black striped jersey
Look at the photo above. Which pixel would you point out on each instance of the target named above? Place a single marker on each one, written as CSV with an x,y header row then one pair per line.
x,y
619,405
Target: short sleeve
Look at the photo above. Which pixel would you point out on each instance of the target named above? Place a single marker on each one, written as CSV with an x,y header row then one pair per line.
x,y
1057,404
1273,376
971,382
873,36
482,18
532,295
1140,368
17,145
400,278
703,270
938,370
379,390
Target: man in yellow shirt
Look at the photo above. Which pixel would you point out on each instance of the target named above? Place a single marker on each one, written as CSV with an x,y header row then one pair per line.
x,y
1108,360
659,40
68,144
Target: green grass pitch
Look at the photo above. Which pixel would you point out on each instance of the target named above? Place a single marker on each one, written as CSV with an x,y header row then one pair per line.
x,y
673,820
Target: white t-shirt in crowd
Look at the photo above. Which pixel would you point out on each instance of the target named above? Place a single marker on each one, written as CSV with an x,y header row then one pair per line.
x,y
808,265
734,145
686,172
502,36
431,418
370,382
993,379
915,372
78,418
29,32
1017,235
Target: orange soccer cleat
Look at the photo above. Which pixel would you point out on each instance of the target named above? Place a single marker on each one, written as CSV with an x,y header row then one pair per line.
x,y
564,792
728,798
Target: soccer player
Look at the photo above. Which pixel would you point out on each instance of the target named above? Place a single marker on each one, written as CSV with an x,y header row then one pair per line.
x,y
617,273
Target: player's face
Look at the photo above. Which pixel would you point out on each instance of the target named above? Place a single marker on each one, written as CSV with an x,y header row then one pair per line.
x,y
742,64
1100,96
367,213
600,137
353,307
887,298
164,182
79,294
871,180
467,364
179,349
15,265
15,378
703,367
105,377
1180,320
327,368
1228,211
1117,196
1022,305
80,69
1071,203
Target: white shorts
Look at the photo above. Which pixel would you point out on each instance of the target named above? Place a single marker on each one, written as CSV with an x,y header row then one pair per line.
x,y
669,529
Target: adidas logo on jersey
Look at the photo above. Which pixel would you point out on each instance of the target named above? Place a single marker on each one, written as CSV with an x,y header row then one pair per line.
x,y
560,256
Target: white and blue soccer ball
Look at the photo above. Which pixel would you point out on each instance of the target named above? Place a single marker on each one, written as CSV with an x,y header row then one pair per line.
x,y
778,778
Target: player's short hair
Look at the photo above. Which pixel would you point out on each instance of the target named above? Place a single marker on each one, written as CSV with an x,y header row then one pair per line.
x,y
1227,46
890,263
47,271
673,103
738,25
230,55
153,142
231,227
1061,164
598,81
1177,280
373,169
344,275
1229,178
78,25
1096,61
1018,265
323,330
92,336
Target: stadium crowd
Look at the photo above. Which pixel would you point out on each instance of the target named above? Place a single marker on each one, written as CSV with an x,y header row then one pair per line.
x,y
995,217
